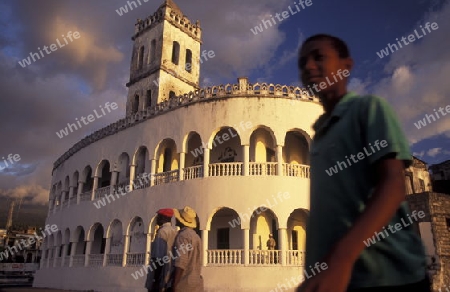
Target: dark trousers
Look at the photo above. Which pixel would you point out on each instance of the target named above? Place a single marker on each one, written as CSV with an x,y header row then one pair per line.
x,y
422,286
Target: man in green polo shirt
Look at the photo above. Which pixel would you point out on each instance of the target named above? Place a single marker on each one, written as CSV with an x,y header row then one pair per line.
x,y
358,155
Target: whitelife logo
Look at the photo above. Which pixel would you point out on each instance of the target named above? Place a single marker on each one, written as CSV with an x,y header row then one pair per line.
x,y
90,118
53,47
411,38
377,235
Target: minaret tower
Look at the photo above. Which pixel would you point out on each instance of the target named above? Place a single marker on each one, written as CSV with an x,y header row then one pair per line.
x,y
166,58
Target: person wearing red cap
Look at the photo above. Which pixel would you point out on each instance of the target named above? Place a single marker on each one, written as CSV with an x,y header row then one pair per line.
x,y
159,276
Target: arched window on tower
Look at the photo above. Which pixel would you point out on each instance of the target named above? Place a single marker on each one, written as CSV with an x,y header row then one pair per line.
x,y
188,65
176,53
135,108
141,57
152,53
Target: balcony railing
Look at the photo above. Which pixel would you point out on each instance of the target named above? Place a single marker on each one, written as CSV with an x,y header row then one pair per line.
x,y
101,192
66,261
96,260
193,172
78,260
225,257
135,259
73,201
295,258
264,257
58,262
86,196
166,177
141,183
226,169
263,168
114,260
297,170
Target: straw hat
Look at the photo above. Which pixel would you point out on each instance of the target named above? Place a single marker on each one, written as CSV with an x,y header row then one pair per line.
x,y
186,216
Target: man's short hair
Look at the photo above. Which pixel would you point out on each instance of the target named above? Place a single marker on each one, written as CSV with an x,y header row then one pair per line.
x,y
339,45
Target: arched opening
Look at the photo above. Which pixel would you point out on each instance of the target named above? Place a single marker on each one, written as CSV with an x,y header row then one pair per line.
x,y
296,232
123,167
226,158
136,250
115,253
225,238
88,184
263,222
79,245
140,58
262,153
104,179
176,53
152,53
167,162
295,155
97,246
135,105
188,65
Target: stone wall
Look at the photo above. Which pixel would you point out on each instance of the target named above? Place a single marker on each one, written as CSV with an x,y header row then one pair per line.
x,y
437,209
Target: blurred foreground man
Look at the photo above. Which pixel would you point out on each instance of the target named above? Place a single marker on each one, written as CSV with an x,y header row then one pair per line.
x,y
160,271
188,264
358,155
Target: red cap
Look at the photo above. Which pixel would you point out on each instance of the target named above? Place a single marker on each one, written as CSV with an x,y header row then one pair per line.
x,y
165,212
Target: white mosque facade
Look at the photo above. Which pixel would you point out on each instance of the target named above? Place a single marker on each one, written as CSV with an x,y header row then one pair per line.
x,y
236,153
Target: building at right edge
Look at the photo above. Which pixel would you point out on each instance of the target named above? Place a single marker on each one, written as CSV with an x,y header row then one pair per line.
x,y
434,228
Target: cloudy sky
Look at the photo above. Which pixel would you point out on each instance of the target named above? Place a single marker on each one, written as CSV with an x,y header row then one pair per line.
x,y
40,99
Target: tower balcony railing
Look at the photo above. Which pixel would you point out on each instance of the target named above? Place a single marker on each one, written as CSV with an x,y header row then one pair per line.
x,y
78,260
114,260
263,168
297,170
225,257
226,169
193,172
86,196
135,259
101,192
73,200
166,177
95,260
66,261
264,257
295,258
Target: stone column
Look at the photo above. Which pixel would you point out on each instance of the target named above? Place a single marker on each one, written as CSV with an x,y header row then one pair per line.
x,y
182,163
205,247
72,252
79,191
64,252
113,181
107,251
125,250
279,160
152,172
246,235
95,187
246,167
132,175
88,252
282,238
70,194
206,162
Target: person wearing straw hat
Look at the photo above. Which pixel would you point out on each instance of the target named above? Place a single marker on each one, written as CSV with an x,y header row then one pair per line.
x,y
187,274
160,270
